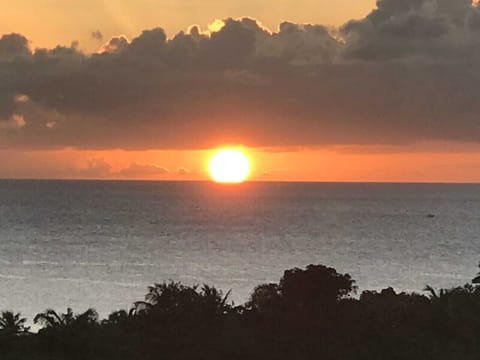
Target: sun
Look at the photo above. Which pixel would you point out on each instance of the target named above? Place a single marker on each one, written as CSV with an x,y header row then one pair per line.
x,y
229,166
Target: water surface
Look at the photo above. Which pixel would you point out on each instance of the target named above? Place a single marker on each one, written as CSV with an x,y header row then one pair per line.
x,y
88,243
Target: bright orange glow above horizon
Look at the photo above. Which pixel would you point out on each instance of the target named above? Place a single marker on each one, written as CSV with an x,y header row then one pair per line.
x,y
229,166
439,162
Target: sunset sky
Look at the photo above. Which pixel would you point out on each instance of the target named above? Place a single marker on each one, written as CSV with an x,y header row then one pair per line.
x,y
313,90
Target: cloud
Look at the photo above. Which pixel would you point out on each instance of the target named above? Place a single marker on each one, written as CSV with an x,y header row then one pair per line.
x,y
431,30
14,122
300,44
407,72
183,171
97,35
115,44
96,168
136,170
13,45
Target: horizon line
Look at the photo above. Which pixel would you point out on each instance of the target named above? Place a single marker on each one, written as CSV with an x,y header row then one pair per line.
x,y
246,182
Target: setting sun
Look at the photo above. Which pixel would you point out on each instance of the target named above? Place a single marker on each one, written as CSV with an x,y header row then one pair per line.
x,y
229,166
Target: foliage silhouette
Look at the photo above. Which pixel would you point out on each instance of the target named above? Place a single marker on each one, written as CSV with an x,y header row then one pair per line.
x,y
50,319
12,324
172,300
476,280
118,317
310,313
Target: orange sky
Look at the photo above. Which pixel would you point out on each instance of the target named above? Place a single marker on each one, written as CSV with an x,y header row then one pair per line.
x,y
328,164
51,22
47,23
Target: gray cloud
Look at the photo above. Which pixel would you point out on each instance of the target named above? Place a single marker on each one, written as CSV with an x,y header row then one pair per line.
x,y
142,170
14,122
183,171
12,46
95,168
97,35
115,44
404,73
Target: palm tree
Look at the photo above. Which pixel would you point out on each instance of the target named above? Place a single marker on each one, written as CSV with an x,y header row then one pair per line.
x,y
433,294
213,300
442,293
175,299
89,317
50,319
476,280
167,298
12,324
119,316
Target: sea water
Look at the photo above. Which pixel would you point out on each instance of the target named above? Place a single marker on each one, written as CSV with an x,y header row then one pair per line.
x,y
100,244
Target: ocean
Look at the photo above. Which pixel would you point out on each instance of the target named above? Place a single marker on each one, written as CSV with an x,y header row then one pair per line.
x,y
101,243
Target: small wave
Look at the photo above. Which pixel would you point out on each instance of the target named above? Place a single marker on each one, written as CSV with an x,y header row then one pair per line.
x,y
141,264
114,263
75,280
12,277
36,263
83,263
90,281
443,275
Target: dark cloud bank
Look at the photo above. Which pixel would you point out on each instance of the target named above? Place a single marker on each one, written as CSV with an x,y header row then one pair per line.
x,y
407,72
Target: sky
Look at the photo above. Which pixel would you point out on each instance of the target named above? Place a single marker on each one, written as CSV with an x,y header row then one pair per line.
x,y
47,23
312,90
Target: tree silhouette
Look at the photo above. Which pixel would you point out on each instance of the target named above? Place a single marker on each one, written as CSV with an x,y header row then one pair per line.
x,y
476,280
50,319
213,302
312,296
118,317
175,300
167,298
433,293
266,299
12,324
317,285
309,314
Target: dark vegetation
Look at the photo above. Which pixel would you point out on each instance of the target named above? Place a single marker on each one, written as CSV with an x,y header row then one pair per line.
x,y
309,314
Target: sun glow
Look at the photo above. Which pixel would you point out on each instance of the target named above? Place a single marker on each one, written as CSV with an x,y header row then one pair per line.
x,y
229,166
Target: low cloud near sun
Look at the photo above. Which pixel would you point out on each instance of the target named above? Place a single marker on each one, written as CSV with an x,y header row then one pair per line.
x,y
407,72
